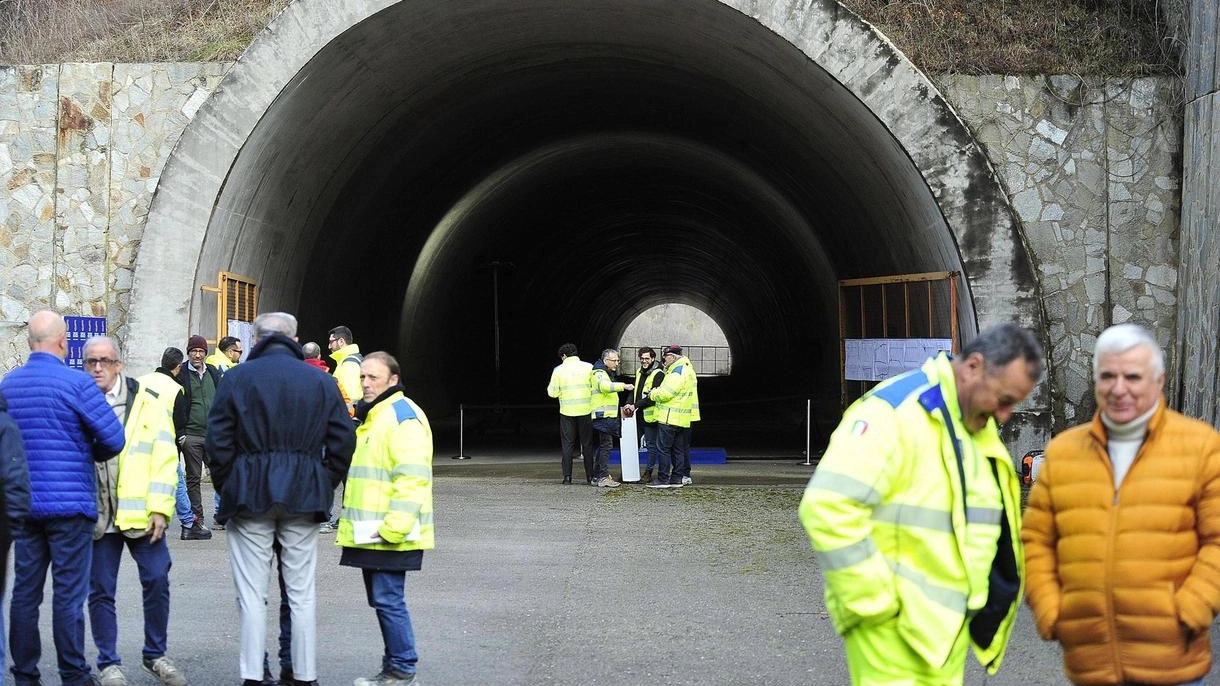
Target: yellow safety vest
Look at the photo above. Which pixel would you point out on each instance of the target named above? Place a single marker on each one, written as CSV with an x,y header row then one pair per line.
x,y
220,361
347,372
906,512
676,394
390,478
570,383
148,464
605,393
641,385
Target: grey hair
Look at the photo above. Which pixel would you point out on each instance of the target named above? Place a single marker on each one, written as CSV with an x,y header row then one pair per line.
x,y
1122,337
1000,345
607,352
312,350
108,340
270,323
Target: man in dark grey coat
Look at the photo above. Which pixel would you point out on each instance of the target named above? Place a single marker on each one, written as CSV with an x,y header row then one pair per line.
x,y
279,441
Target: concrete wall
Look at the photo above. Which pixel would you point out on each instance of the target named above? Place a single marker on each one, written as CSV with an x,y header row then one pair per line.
x,y
1198,313
1089,165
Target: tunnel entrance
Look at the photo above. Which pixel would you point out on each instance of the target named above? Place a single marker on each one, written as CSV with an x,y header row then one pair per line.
x,y
702,339
468,185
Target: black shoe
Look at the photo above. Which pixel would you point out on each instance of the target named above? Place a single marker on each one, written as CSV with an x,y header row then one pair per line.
x,y
567,480
251,682
285,677
196,532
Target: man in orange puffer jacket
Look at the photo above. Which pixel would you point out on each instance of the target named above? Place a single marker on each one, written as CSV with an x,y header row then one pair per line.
x,y
1122,533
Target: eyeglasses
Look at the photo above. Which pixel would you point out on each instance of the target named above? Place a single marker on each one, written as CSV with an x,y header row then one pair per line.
x,y
99,362
235,350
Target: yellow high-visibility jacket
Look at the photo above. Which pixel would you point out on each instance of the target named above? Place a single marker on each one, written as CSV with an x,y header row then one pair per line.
x,y
347,372
645,384
676,395
914,517
148,463
390,478
220,361
570,382
605,393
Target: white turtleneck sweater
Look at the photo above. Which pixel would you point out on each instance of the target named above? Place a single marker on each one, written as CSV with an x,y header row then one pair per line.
x,y
1124,441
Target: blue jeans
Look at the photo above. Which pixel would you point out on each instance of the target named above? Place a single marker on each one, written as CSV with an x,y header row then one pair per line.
x,y
386,595
65,545
651,431
668,460
182,502
153,563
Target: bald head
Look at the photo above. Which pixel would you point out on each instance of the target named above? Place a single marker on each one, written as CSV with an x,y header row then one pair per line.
x,y
49,333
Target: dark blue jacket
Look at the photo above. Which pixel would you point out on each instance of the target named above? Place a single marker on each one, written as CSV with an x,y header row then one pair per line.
x,y
65,425
14,471
278,434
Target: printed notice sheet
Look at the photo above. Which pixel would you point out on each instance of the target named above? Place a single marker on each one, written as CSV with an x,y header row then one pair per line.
x,y
877,359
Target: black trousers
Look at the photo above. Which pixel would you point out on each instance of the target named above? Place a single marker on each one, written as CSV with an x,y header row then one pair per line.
x,y
576,433
192,462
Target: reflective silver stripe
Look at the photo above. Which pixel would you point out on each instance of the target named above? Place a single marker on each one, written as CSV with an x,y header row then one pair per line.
x,y
945,597
405,506
983,515
142,448
413,470
913,515
855,489
369,473
165,436
156,488
353,514
133,504
357,515
848,555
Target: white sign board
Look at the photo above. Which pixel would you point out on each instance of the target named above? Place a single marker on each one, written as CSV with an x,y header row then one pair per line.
x,y
877,359
629,449
242,331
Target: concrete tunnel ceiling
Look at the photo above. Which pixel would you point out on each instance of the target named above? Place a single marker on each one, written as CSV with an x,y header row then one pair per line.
x,y
610,155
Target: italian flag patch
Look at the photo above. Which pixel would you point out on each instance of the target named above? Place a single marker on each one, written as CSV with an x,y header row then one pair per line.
x,y
859,427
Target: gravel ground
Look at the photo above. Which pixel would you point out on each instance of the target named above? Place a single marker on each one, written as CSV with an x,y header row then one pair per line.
x,y
533,582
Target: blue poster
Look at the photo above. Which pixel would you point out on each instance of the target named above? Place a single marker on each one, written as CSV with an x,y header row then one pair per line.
x,y
81,329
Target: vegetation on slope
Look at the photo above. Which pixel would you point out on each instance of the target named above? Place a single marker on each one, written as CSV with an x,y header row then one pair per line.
x,y
1117,37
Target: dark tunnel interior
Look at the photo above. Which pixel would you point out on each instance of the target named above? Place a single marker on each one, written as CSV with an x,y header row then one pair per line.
x,y
574,164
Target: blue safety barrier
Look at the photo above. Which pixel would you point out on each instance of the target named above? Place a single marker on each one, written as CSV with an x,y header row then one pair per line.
x,y
697,456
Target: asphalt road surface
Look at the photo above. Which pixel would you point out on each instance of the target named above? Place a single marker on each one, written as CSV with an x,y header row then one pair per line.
x,y
533,582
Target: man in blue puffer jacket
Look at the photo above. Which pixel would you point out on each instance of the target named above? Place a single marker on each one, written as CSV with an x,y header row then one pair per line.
x,y
65,425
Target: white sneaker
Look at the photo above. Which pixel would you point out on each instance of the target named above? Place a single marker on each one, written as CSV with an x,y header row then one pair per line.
x,y
686,481
165,671
606,482
112,676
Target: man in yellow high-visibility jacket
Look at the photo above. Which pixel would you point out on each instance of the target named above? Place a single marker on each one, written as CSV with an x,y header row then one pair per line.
x,y
605,414
914,512
386,523
347,357
674,399
135,499
571,383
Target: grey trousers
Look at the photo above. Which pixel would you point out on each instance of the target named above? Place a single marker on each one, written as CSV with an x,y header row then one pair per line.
x,y
250,554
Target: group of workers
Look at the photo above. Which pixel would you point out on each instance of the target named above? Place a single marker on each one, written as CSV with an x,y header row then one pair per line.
x,y
90,466
914,512
665,402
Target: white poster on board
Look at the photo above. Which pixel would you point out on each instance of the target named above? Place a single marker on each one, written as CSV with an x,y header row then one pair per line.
x,y
242,331
877,359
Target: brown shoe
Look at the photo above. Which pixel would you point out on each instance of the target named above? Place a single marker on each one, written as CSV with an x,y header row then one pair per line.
x,y
646,476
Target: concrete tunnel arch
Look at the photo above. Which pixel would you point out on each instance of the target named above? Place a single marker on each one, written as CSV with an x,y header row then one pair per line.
x,y
367,161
